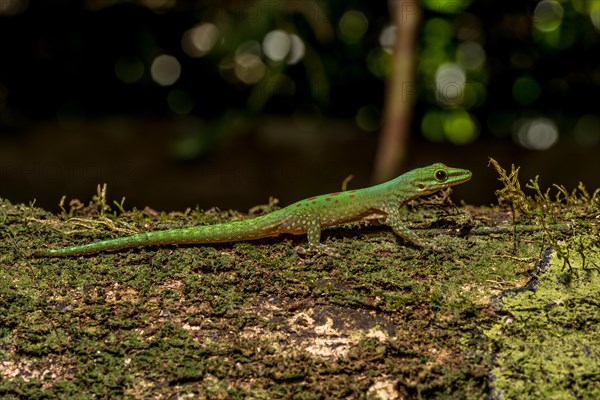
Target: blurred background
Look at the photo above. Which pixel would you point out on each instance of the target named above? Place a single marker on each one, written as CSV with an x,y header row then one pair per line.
x,y
177,103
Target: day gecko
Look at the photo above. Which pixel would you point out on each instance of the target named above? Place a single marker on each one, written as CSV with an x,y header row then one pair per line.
x,y
310,216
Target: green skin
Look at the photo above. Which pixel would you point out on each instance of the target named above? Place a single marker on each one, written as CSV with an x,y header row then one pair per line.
x,y
381,202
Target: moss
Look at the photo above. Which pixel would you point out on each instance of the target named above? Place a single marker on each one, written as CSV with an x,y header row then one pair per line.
x,y
548,344
259,320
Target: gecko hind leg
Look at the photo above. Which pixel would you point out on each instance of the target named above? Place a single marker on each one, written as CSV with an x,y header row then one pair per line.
x,y
314,243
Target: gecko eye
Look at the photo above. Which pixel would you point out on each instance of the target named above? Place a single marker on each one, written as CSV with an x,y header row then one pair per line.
x,y
441,175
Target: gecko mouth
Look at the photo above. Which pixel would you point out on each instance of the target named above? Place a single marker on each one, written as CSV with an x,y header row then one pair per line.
x,y
462,176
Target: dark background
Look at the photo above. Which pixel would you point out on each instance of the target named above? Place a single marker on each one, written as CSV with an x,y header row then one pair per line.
x,y
68,123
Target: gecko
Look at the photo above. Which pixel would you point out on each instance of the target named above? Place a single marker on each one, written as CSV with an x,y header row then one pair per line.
x,y
381,202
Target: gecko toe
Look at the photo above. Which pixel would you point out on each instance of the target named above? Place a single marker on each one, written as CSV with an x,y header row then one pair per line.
x,y
320,249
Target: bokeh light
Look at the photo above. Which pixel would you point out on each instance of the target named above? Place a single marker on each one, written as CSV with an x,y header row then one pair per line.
x,y
248,47
547,15
470,56
526,90
474,95
297,50
368,118
450,82
460,127
461,57
587,130
446,6
536,133
129,69
438,30
437,36
456,126
199,40
227,69
277,45
180,102
379,62
165,70
283,84
595,13
432,126
352,26
387,38
248,67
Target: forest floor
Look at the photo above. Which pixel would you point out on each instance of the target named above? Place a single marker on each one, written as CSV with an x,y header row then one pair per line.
x,y
508,310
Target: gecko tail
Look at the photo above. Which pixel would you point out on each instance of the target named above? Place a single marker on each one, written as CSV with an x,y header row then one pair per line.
x,y
138,240
249,229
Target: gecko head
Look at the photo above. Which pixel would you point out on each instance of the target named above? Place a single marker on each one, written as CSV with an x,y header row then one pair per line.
x,y
436,177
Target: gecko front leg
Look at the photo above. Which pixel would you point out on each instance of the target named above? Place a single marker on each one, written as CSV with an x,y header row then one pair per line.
x,y
393,221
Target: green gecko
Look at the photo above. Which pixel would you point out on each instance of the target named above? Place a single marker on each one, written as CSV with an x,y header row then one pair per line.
x,y
381,202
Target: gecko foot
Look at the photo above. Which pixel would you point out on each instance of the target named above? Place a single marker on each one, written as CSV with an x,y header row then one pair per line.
x,y
431,246
319,249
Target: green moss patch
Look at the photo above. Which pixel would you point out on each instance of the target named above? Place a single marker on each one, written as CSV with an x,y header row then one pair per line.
x,y
547,344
